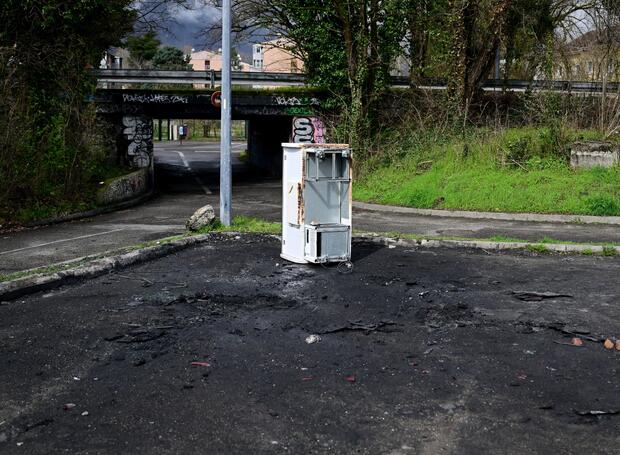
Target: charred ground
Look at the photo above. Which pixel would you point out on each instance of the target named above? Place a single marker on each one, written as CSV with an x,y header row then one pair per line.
x,y
421,351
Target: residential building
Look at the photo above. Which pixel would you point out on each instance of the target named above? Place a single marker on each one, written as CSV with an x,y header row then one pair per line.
x,y
593,56
276,56
210,60
116,58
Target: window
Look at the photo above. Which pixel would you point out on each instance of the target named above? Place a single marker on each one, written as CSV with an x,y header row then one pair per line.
x,y
258,63
207,64
590,67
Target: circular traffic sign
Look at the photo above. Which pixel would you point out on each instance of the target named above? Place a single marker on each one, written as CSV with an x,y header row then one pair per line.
x,y
216,99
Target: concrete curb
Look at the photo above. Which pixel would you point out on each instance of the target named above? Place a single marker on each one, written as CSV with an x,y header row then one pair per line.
x,y
10,290
490,245
536,217
93,212
13,289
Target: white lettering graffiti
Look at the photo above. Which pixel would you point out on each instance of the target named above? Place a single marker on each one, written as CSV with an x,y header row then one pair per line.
x,y
156,98
294,101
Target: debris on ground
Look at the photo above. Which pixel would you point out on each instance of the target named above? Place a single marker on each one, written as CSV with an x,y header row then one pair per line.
x,y
575,332
599,413
350,379
69,406
608,344
575,341
200,364
204,216
313,339
141,336
359,325
533,296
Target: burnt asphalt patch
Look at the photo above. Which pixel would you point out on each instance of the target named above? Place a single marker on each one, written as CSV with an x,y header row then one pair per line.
x,y
421,351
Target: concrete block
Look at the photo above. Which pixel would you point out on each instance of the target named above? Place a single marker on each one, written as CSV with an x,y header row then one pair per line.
x,y
125,187
594,153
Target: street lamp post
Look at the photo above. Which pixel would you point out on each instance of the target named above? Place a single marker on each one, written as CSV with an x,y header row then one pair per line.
x,y
225,140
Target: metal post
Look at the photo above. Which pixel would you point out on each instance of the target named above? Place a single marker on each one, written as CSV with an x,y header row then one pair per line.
x,y
497,63
225,144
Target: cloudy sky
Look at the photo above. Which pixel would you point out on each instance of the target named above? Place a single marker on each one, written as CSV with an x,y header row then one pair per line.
x,y
184,27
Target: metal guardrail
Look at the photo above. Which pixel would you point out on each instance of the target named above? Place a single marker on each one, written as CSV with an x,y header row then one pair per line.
x,y
213,78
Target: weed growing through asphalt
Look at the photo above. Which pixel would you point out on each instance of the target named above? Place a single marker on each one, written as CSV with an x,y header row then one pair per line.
x,y
537,248
609,251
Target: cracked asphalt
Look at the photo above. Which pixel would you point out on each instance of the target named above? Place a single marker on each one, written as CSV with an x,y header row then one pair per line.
x,y
421,351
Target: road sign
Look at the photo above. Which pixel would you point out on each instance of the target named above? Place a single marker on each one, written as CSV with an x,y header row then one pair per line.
x,y
216,99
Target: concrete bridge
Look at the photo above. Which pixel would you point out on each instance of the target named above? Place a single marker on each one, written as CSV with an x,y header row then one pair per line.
x,y
273,117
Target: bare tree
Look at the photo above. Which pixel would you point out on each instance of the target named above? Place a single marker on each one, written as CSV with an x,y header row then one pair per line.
x,y
156,14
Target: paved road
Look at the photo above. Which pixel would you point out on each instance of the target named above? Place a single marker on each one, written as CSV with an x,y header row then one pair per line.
x,y
422,352
187,178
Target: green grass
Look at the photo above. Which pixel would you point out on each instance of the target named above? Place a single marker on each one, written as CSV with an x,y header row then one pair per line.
x,y
501,238
515,170
537,248
245,224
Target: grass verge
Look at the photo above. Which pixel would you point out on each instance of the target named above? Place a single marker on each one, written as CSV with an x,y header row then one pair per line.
x,y
512,170
245,224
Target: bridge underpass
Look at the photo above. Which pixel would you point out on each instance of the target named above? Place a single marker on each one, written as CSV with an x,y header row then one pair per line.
x,y
269,117
194,166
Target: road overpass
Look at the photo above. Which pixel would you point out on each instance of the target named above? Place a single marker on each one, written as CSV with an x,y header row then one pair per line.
x,y
213,78
129,115
270,111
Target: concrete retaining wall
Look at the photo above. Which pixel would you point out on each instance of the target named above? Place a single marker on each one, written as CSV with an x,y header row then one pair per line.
x,y
126,187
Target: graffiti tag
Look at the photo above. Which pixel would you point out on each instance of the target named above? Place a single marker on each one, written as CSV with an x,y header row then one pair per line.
x,y
308,130
298,110
139,132
294,101
156,98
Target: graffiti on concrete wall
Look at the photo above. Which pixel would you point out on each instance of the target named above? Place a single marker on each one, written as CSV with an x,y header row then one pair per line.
x,y
156,98
296,101
139,132
299,111
308,130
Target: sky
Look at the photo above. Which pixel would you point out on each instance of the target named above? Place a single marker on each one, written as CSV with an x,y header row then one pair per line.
x,y
184,27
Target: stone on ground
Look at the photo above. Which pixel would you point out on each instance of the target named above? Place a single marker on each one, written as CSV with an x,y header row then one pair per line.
x,y
204,216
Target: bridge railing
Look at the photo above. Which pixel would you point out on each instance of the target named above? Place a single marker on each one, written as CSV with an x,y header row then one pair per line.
x,y
213,78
